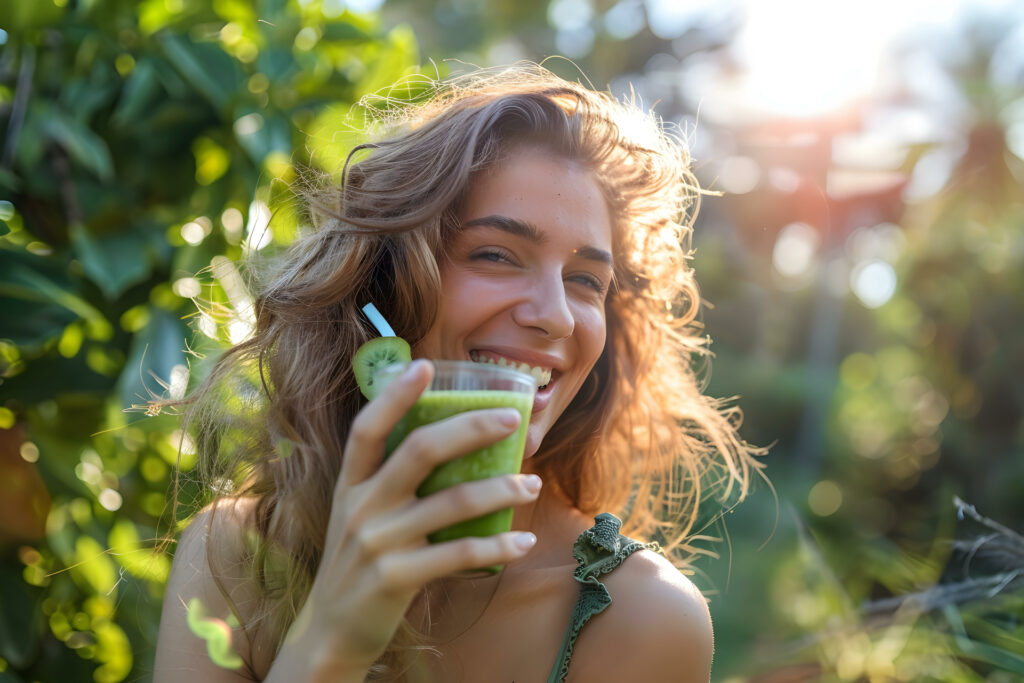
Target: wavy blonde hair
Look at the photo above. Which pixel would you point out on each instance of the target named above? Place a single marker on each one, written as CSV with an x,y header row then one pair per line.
x,y
640,439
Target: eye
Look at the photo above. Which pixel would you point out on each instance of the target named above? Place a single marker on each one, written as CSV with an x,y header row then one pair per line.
x,y
590,281
493,255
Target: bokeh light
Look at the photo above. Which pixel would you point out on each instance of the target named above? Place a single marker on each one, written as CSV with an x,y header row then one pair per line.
x,y
257,229
795,248
874,282
187,287
738,175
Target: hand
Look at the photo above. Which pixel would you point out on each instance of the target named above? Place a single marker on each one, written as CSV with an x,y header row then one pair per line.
x,y
376,555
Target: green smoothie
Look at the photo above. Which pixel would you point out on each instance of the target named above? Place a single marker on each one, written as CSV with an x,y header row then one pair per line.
x,y
503,457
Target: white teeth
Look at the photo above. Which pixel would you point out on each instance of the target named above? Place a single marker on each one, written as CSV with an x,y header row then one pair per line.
x,y
542,376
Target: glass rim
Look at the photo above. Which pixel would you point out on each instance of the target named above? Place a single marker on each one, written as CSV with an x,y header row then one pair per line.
x,y
444,366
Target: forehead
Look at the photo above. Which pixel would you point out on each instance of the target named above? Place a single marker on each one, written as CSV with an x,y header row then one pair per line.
x,y
560,197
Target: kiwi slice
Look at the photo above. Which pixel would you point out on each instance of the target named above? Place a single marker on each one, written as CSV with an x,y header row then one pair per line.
x,y
376,354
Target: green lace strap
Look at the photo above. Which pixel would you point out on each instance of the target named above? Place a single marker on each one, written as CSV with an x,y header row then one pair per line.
x,y
598,550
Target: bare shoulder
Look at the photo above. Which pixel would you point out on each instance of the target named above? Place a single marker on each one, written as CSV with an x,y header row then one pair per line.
x,y
658,627
199,635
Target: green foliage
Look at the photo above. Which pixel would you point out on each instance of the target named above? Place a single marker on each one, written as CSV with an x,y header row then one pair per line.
x,y
923,403
154,137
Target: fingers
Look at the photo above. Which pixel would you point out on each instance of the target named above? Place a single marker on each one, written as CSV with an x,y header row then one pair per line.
x,y
410,569
410,525
436,443
365,446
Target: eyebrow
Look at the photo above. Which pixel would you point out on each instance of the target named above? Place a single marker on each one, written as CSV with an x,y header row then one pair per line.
x,y
530,232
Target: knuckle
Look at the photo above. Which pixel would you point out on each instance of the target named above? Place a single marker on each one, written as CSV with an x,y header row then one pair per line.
x,y
515,486
471,552
362,427
389,575
462,496
482,422
508,545
366,540
420,443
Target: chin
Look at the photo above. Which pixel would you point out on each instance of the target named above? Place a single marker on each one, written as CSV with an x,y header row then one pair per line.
x,y
534,436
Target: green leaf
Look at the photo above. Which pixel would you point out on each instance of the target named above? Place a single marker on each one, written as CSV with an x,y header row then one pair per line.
x,y
84,97
154,15
206,67
93,566
277,63
982,652
968,628
114,650
396,58
113,262
32,142
52,376
21,622
139,90
169,78
156,349
333,134
37,305
139,561
83,145
8,180
22,16
31,321
347,30
263,132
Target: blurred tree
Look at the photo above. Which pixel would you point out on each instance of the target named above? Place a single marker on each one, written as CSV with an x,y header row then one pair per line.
x,y
141,140
925,402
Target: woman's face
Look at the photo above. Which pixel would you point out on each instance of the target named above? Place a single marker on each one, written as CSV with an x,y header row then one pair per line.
x,y
526,279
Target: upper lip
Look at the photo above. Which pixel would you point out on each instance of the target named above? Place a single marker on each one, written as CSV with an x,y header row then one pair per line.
x,y
533,358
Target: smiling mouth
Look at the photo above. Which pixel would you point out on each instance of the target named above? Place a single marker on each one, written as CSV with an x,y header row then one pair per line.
x,y
541,375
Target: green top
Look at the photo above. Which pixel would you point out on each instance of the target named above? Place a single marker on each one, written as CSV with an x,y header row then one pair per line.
x,y
598,550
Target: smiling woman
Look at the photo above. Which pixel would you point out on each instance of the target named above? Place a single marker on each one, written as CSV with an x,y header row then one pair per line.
x,y
514,219
526,276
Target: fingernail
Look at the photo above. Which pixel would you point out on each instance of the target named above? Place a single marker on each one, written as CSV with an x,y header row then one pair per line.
x,y
532,483
509,417
525,540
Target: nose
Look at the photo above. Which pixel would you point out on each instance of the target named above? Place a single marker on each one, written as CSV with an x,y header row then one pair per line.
x,y
546,309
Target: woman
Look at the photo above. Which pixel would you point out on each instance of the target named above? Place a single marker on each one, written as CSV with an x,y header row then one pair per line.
x,y
517,216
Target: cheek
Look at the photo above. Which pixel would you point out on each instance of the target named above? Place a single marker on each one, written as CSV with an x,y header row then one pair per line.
x,y
593,333
429,346
453,306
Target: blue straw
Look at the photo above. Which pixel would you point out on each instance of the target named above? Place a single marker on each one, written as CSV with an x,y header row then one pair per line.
x,y
371,312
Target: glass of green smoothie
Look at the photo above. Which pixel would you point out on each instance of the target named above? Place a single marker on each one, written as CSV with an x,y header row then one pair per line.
x,y
458,387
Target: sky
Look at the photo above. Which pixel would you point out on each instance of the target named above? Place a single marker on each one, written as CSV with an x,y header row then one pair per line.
x,y
806,57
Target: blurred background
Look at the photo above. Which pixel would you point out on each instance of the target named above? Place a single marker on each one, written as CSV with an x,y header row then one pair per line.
x,y
862,262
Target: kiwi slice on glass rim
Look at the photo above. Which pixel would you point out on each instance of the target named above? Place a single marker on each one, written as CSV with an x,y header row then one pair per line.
x,y
378,353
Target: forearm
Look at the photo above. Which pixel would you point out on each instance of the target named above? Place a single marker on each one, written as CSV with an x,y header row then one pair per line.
x,y
296,664
307,656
